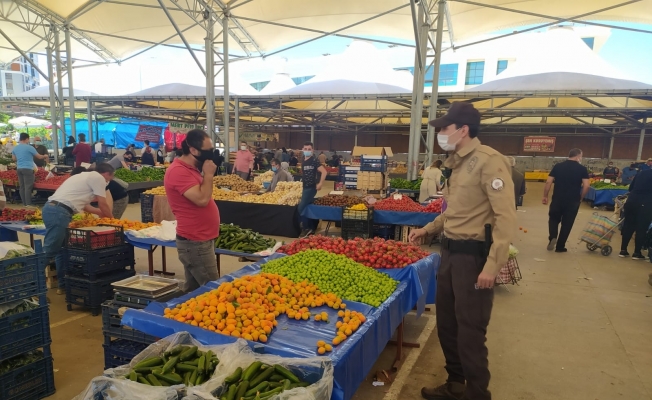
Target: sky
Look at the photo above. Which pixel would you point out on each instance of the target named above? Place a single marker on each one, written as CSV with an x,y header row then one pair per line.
x,y
630,52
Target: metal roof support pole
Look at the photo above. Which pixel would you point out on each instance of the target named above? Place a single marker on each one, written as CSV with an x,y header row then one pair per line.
x,y
89,117
53,106
227,101
312,135
71,91
417,97
60,112
183,38
355,140
236,124
210,78
430,141
611,145
640,140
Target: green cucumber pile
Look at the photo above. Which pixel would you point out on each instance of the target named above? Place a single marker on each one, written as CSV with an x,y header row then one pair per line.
x,y
234,238
259,382
182,365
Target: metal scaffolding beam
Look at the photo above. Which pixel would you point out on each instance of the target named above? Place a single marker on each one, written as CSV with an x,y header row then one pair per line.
x,y
417,95
53,106
71,89
210,77
227,103
435,80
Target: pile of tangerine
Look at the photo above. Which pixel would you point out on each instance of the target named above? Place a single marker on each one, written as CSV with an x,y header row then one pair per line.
x,y
248,306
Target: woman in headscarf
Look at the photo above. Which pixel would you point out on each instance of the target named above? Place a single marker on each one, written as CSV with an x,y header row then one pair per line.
x,y
431,182
281,174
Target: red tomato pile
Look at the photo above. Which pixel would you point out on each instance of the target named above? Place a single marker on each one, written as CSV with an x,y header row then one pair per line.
x,y
40,175
434,206
56,180
405,204
374,253
9,177
15,214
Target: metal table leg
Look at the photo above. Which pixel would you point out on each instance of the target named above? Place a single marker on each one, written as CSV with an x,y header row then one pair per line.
x,y
164,271
218,264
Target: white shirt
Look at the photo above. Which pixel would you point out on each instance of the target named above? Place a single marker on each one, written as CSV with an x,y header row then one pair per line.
x,y
98,147
79,190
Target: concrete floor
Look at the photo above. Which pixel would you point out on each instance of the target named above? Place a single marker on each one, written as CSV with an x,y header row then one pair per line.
x,y
579,326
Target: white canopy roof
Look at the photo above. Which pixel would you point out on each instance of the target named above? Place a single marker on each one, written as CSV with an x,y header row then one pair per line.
x,y
44,91
279,83
113,30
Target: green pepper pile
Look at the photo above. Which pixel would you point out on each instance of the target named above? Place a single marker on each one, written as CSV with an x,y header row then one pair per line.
x,y
259,382
144,175
604,185
234,238
182,365
400,183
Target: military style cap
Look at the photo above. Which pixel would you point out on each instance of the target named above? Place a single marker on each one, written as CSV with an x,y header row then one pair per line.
x,y
458,113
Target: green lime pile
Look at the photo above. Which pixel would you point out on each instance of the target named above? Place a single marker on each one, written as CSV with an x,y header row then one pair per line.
x,y
337,274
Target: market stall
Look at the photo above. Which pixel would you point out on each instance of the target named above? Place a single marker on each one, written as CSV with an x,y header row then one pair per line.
x,y
291,338
326,213
601,197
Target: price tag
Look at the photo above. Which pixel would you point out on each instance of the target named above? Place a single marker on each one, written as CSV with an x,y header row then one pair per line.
x,y
397,196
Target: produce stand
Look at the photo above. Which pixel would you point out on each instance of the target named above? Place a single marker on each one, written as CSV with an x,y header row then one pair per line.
x,y
380,216
18,227
353,360
136,188
266,219
151,244
408,192
603,196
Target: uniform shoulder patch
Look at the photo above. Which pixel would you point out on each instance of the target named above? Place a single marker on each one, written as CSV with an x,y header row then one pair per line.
x,y
472,163
497,184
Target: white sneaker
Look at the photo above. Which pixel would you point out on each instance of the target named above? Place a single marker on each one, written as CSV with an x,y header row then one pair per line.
x,y
551,244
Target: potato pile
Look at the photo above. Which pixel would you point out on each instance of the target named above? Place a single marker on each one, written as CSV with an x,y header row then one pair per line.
x,y
234,182
226,195
286,193
266,177
160,191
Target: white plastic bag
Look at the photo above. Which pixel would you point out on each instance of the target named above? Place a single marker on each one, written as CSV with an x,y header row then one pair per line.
x,y
157,348
315,369
106,388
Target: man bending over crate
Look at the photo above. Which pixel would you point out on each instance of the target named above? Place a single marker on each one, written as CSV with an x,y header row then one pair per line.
x,y
75,195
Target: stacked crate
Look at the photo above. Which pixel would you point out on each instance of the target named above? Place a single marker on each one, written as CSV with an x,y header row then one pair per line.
x,y
26,370
349,176
93,262
357,223
373,173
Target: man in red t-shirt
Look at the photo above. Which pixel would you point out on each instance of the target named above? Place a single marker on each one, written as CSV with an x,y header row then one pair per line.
x,y
82,151
190,195
244,162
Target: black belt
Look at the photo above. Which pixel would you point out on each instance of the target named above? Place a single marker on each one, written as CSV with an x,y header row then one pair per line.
x,y
181,238
472,247
65,207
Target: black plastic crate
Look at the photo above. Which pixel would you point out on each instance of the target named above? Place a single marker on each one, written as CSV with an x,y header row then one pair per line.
x,y
384,231
112,326
147,207
29,382
85,239
120,352
22,277
92,293
128,300
93,264
357,223
20,333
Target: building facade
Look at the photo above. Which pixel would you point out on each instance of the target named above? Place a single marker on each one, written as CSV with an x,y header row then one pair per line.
x,y
19,76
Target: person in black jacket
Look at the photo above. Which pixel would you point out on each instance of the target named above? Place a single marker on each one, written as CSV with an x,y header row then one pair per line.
x,y
638,214
218,159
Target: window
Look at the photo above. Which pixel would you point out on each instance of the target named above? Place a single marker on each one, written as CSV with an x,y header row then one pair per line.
x,y
301,79
589,42
474,73
502,65
259,85
448,75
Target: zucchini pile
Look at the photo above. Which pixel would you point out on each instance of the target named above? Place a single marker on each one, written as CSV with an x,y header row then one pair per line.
x,y
259,382
234,238
181,365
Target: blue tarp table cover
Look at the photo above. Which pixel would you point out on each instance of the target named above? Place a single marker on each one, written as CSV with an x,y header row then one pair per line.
x,y
603,196
18,227
353,359
327,213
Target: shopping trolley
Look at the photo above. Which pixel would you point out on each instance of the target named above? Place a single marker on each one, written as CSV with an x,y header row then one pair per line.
x,y
598,233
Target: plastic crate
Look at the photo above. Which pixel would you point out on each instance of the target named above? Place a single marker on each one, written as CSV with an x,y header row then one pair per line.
x,y
92,264
92,293
112,326
86,239
357,223
147,207
120,352
30,382
131,301
383,231
22,277
20,333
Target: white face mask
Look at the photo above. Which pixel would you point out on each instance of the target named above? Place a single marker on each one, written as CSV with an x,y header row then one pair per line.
x,y
444,141
243,147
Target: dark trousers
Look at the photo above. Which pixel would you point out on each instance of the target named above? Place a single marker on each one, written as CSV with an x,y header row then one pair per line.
x,y
463,314
307,197
638,216
564,212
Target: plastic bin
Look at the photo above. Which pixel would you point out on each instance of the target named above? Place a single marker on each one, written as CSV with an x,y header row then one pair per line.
x,y
357,223
120,352
147,207
92,293
20,333
383,231
29,382
22,277
91,239
113,328
93,264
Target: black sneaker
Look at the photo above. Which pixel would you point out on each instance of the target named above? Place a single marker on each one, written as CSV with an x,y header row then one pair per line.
x,y
564,250
306,233
551,244
638,256
447,391
623,254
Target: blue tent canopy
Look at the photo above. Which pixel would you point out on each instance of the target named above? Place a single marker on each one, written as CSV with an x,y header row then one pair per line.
x,y
119,134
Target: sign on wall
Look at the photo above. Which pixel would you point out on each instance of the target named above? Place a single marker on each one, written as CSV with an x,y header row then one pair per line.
x,y
539,144
180,127
149,132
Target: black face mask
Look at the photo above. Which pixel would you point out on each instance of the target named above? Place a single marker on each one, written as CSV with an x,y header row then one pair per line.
x,y
203,156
